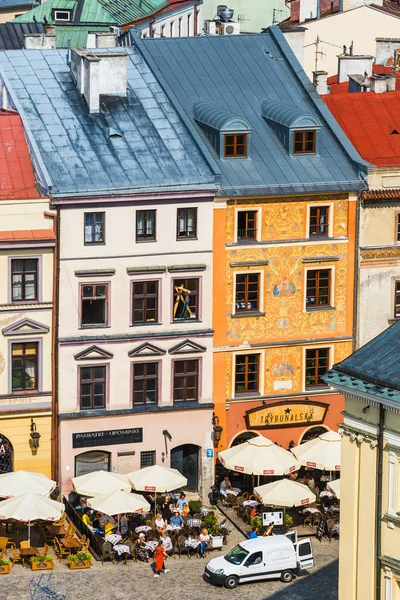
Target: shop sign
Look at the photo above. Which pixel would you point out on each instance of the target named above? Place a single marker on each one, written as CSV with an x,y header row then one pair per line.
x,y
286,414
107,438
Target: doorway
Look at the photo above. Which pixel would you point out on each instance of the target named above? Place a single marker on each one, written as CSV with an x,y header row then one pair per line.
x,y
185,459
6,455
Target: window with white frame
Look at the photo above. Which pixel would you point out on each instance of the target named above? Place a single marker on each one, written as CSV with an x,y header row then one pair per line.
x,y
62,15
394,483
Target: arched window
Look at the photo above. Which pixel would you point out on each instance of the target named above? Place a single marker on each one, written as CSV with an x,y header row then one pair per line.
x,y
95,460
313,433
6,455
243,437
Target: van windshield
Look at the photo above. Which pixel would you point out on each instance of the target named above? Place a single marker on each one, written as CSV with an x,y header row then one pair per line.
x,y
237,555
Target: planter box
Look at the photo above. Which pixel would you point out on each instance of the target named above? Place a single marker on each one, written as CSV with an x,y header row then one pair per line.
x,y
217,541
81,564
41,566
4,569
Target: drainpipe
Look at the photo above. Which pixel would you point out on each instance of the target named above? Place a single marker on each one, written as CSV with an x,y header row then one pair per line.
x,y
195,24
379,503
356,275
54,350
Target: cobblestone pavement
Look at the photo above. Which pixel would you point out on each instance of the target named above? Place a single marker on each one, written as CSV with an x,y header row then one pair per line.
x,y
184,581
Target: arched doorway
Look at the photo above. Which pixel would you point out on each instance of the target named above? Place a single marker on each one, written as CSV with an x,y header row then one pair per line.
x,y
243,437
313,433
95,460
185,459
6,455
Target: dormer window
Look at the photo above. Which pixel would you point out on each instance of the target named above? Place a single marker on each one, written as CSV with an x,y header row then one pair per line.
x,y
297,131
62,15
228,134
235,145
304,142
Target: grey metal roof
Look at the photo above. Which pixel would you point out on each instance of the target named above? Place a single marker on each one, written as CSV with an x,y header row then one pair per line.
x,y
374,368
238,73
74,150
286,115
216,117
7,4
12,34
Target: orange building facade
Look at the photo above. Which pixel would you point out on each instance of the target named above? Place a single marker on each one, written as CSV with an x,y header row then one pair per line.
x,y
284,284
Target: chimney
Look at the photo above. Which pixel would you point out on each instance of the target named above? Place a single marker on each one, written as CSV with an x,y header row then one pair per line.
x,y
308,10
380,84
99,73
295,37
320,81
102,39
39,41
351,4
354,65
385,49
359,83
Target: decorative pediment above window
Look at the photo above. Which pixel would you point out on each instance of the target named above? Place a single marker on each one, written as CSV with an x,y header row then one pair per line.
x,y
297,130
93,353
25,327
229,134
187,347
147,349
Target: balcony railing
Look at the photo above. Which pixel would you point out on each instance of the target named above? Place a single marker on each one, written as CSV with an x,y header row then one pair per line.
x,y
248,235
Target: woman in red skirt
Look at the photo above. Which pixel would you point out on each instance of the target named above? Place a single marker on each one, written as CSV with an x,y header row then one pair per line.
x,y
159,556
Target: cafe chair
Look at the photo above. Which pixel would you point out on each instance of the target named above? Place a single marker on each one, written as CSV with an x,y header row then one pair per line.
x,y
3,542
182,547
61,521
107,552
16,557
24,544
70,531
59,550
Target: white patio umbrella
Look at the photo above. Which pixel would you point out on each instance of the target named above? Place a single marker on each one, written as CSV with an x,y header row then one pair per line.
x,y
118,503
157,479
30,507
321,453
259,456
22,482
285,493
334,487
100,482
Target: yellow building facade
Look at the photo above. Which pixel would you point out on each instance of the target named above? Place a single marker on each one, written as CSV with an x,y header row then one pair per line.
x,y
369,557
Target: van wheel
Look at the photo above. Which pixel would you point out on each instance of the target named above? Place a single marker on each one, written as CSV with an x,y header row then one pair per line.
x,y
231,582
287,576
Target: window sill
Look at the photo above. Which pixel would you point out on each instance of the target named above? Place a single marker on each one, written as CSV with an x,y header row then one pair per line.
x,y
145,241
94,327
25,392
317,388
186,321
145,324
243,395
94,243
311,309
187,238
248,313
24,302
394,320
394,518
243,242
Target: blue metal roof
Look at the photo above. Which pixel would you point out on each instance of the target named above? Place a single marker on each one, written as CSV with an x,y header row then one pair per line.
x,y
237,73
286,115
6,4
216,117
73,149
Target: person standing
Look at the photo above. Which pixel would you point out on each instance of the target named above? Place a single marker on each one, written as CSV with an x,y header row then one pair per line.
x,y
159,556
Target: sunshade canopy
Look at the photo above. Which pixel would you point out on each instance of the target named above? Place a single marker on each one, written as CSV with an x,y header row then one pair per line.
x,y
321,453
22,482
259,456
157,479
118,502
334,487
100,482
284,493
31,507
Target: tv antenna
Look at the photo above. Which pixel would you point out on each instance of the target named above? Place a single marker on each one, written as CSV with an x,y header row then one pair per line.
x,y
318,51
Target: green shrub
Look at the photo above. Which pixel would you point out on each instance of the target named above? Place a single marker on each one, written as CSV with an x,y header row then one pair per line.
x,y
195,506
211,522
288,520
81,556
4,562
255,522
37,559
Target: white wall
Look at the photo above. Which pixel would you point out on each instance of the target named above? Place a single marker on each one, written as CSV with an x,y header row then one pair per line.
x,y
162,24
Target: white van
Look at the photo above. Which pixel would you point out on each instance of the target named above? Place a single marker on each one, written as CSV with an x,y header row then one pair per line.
x,y
261,558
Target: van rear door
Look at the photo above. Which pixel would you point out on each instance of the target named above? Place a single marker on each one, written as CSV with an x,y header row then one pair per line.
x,y
304,553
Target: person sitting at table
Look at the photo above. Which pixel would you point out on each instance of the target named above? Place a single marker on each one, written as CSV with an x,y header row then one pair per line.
x,y
225,486
86,517
185,510
160,523
182,500
177,520
141,551
160,555
166,510
167,542
82,504
253,533
204,540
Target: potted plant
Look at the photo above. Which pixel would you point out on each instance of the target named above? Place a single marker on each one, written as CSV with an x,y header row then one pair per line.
x,y
211,522
4,566
82,560
41,563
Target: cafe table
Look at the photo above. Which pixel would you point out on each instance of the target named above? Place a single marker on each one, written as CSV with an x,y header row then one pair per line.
x,y
27,552
70,543
56,529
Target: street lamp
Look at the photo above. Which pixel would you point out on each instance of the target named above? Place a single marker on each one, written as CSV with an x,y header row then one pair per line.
x,y
217,429
35,437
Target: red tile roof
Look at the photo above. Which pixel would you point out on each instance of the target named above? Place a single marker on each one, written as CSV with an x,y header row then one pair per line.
x,y
17,180
30,235
381,194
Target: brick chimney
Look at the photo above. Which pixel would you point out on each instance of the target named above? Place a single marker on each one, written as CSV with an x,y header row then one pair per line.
x,y
99,73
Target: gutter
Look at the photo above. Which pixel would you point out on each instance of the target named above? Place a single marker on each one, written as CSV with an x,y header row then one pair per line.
x,y
356,274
